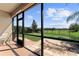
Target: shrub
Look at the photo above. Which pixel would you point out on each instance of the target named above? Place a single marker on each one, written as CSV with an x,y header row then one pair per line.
x,y
74,27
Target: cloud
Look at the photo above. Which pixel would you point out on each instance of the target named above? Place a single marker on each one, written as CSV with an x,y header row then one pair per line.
x,y
57,18
60,25
29,17
63,12
51,12
58,13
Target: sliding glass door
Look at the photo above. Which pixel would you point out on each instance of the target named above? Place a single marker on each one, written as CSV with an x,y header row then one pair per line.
x,y
32,29
20,26
29,29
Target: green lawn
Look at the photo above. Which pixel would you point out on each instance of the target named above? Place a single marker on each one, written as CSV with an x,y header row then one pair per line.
x,y
62,34
55,33
32,37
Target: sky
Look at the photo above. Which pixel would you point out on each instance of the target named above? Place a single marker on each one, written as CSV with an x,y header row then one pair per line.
x,y
55,15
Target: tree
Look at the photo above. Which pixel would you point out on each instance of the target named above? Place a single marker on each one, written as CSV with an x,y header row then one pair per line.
x,y
34,26
74,27
74,16
27,30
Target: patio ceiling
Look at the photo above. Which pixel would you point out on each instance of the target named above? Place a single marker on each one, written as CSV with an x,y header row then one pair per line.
x,y
8,7
14,8
22,7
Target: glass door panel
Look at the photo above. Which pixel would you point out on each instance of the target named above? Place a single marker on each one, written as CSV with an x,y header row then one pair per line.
x,y
20,29
32,29
14,29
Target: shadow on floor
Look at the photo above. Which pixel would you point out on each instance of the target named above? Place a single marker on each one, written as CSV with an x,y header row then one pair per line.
x,y
13,49
32,51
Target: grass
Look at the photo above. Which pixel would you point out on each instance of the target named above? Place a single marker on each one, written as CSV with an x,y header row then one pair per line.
x,y
62,33
33,38
55,33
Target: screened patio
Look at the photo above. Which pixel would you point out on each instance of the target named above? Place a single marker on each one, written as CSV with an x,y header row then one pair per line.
x,y
31,29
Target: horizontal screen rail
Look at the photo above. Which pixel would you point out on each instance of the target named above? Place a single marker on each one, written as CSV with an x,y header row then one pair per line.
x,y
62,39
54,38
20,18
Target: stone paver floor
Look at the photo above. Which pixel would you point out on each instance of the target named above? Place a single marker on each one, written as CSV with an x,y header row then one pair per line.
x,y
11,49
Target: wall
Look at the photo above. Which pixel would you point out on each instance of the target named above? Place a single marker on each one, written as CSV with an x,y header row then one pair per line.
x,y
5,20
5,27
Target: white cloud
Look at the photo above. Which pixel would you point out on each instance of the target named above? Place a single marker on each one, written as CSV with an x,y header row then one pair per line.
x,y
60,25
29,17
58,13
51,11
57,18
63,12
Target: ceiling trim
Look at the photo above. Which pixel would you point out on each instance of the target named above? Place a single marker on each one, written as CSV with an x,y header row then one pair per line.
x,y
22,7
